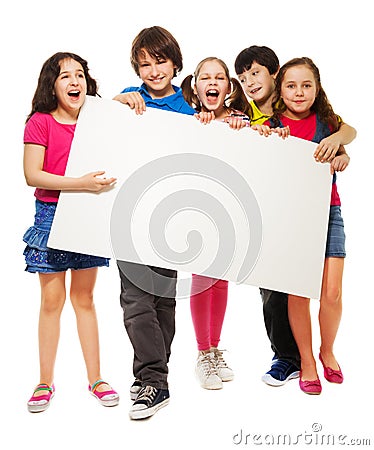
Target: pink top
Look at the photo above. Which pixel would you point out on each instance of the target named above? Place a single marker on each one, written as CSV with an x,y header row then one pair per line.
x,y
43,129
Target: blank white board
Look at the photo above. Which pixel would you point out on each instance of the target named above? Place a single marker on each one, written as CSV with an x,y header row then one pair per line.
x,y
197,198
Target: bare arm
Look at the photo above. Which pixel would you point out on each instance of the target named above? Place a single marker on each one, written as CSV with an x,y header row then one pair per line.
x,y
35,175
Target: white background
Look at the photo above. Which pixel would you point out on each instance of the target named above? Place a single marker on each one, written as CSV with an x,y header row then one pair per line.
x,y
338,36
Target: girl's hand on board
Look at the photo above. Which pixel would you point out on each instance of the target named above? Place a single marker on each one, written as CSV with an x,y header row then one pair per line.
x,y
263,130
95,182
205,117
326,150
282,132
133,99
236,123
339,163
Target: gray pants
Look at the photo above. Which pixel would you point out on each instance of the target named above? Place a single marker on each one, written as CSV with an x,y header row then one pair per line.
x,y
148,303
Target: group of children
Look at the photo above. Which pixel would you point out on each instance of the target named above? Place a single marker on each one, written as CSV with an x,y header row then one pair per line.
x,y
286,100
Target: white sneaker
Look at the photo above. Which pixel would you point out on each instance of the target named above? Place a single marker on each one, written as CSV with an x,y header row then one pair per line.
x,y
223,370
206,371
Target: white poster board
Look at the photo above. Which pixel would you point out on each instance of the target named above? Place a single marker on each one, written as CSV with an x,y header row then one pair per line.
x,y
207,199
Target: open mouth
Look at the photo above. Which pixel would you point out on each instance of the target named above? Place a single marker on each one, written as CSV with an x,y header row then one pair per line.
x,y
74,94
254,91
212,93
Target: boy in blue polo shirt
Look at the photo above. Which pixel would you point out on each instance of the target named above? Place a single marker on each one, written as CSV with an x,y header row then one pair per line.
x,y
148,292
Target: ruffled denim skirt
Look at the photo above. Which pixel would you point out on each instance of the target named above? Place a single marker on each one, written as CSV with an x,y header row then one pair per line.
x,y
40,258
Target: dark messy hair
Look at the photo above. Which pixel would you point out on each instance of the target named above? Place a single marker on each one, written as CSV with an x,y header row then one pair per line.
x,y
159,43
321,105
263,55
44,100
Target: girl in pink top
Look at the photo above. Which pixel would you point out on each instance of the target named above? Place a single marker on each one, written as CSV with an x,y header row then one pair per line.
x,y
302,105
63,84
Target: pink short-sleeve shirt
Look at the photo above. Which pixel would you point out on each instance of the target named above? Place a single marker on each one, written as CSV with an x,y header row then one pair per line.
x,y
43,129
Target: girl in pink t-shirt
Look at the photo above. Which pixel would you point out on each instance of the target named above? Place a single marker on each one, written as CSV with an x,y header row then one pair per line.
x,y
63,84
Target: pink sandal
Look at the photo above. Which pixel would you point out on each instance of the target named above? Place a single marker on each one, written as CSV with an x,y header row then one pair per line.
x,y
39,403
106,398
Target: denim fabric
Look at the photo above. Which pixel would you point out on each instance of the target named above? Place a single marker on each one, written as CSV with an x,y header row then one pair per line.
x,y
149,319
40,258
335,244
275,311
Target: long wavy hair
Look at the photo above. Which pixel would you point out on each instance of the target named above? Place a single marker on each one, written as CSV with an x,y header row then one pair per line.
x,y
44,99
236,100
321,105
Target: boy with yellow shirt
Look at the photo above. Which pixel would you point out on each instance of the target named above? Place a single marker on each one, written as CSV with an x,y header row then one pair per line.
x,y
257,68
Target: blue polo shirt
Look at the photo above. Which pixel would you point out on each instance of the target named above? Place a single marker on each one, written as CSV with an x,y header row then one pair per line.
x,y
174,103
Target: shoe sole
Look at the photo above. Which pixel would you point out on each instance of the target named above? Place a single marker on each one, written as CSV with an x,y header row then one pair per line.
x,y
311,393
40,408
212,387
269,380
224,379
108,403
147,412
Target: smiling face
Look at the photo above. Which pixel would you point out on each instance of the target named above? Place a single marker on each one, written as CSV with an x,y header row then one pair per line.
x,y
157,74
212,86
298,91
70,89
258,83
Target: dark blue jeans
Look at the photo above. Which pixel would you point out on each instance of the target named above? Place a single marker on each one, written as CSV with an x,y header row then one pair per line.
x,y
148,303
275,310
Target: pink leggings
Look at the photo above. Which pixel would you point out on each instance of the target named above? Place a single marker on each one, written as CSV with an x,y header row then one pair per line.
x,y
208,306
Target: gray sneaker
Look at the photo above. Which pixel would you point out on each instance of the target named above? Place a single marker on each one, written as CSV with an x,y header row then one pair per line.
x,y
223,370
206,371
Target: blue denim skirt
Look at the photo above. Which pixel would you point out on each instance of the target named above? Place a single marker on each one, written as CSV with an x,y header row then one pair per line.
x,y
335,244
40,258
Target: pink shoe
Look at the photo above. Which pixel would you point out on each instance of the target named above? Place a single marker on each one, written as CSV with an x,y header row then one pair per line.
x,y
106,398
334,376
39,403
313,387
